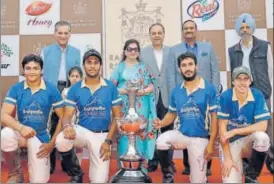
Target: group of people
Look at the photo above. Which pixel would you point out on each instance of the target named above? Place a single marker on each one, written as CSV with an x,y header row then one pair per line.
x,y
178,86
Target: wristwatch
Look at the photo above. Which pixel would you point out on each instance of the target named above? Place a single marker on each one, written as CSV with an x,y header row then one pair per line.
x,y
108,141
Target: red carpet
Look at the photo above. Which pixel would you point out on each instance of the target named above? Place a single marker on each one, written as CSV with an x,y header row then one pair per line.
x,y
60,177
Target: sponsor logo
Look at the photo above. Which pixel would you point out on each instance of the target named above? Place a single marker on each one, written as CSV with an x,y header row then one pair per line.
x,y
7,52
202,9
35,9
38,8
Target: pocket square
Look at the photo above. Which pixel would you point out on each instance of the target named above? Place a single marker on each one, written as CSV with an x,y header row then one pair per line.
x,y
204,54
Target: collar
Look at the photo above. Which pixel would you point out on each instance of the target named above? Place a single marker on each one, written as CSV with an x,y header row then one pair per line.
x,y
250,44
250,97
42,85
162,48
201,84
102,83
188,46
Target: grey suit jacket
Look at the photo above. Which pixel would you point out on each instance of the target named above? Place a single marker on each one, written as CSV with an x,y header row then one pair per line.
x,y
208,67
148,57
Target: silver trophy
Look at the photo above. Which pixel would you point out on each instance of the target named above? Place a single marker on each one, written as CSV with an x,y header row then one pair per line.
x,y
131,126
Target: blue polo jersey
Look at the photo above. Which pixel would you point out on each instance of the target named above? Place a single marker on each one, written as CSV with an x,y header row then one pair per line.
x,y
194,109
252,111
94,107
33,108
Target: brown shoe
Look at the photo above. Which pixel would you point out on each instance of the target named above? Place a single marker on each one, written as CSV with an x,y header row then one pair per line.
x,y
16,177
13,162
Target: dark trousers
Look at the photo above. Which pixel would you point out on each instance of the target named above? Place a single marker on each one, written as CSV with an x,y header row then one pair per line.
x,y
53,126
161,112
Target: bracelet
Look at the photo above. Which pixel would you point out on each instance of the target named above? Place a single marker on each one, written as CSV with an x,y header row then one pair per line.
x,y
67,125
21,128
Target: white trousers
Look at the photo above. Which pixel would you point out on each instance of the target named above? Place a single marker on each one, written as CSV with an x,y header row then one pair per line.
x,y
39,169
98,169
195,147
243,148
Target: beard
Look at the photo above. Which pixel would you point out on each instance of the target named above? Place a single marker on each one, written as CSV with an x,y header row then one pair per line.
x,y
190,78
245,36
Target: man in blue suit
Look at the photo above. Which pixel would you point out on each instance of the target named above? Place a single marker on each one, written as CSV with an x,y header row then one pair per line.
x,y
157,57
207,66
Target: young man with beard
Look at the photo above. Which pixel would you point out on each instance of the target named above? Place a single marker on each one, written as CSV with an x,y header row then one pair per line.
x,y
33,99
242,119
208,67
96,99
195,103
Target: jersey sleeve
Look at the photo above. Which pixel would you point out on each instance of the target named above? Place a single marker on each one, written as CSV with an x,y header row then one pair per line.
x,y
71,97
261,110
213,100
223,109
116,99
57,101
11,97
172,104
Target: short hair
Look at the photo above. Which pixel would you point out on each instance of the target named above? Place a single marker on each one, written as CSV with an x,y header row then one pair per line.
x,y
189,20
185,56
32,58
62,23
156,24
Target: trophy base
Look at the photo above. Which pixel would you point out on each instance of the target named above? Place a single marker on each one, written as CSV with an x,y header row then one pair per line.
x,y
130,176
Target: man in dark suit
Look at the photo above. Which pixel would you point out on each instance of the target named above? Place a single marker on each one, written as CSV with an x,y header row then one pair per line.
x,y
157,57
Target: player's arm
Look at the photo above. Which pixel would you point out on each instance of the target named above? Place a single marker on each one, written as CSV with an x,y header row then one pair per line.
x,y
116,114
213,128
228,162
225,145
6,117
257,127
167,120
105,149
8,120
60,113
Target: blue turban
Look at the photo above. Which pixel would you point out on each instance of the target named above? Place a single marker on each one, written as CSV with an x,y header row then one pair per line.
x,y
247,18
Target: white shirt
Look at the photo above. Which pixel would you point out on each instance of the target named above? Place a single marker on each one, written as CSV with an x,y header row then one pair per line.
x,y
159,57
246,53
62,71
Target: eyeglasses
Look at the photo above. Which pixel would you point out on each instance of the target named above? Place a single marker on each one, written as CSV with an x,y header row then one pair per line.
x,y
129,49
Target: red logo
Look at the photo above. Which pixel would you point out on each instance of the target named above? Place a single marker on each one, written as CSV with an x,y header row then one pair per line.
x,y
37,8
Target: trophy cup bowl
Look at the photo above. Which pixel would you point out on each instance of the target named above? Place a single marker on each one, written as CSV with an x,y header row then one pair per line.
x,y
131,126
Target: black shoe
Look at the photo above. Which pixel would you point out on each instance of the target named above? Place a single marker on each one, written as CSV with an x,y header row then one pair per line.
x,y
269,164
255,166
71,162
250,180
166,166
152,168
168,179
186,171
245,165
208,172
270,160
63,166
53,161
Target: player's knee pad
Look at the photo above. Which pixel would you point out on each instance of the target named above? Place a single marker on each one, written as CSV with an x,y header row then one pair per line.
x,y
9,141
261,141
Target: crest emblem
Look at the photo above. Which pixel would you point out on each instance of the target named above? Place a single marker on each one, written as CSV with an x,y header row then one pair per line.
x,y
136,23
244,5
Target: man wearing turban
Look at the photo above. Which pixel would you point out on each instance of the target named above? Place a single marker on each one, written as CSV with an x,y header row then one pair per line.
x,y
255,54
